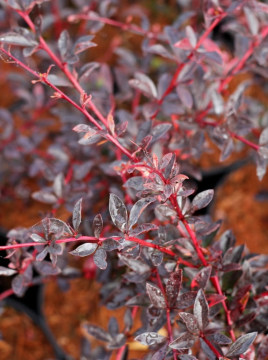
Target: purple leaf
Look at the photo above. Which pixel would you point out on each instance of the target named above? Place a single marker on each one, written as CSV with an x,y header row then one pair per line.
x,y
227,149
46,268
138,300
159,131
18,286
87,69
202,277
85,249
49,226
13,38
58,185
190,322
37,238
97,225
25,5
263,140
217,101
76,220
58,227
184,44
100,259
201,310
121,128
231,267
252,21
91,135
42,254
146,142
160,50
210,355
90,138
184,341
220,339
113,327
6,124
150,338
58,80
6,271
44,197
143,83
64,45
185,96
185,300
156,296
191,35
161,353
84,128
143,228
137,210
110,245
167,164
83,43
136,182
202,199
241,345
136,265
28,275
118,212
117,342
157,257
98,332
212,56
214,299
173,287
166,159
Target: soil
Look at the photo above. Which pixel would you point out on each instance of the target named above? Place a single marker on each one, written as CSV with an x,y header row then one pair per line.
x,y
242,203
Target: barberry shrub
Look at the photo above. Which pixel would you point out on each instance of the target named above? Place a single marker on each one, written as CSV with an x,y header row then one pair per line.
x,y
118,102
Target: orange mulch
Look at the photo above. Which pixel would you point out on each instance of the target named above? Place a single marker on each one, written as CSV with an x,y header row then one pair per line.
x,y
236,204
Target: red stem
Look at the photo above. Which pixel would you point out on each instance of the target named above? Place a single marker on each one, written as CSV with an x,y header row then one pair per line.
x,y
120,353
160,248
255,42
245,141
174,79
94,239
174,202
63,67
215,351
216,283
123,26
169,327
35,281
43,78
214,279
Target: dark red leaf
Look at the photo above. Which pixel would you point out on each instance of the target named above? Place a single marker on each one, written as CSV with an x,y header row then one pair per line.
x,y
201,310
184,341
241,345
97,225
202,277
156,296
190,322
173,287
150,338
118,212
